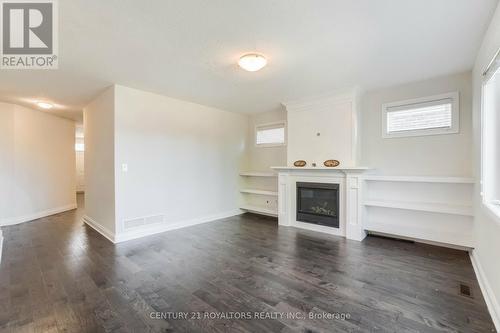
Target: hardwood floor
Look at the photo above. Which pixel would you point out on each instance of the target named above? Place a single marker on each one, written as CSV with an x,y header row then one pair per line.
x,y
58,275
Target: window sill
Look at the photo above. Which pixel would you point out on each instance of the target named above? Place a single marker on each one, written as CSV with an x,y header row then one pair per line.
x,y
416,133
494,210
270,145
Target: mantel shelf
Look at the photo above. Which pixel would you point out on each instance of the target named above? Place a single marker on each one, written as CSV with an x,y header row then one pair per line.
x,y
425,207
259,192
320,168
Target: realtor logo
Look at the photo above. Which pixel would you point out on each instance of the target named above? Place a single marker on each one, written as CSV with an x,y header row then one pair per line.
x,y
29,34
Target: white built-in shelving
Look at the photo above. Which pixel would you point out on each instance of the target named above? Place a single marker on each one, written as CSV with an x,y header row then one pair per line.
x,y
438,209
259,210
259,192
257,174
420,179
423,206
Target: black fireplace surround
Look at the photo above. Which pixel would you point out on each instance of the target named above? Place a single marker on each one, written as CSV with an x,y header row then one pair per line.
x,y
318,203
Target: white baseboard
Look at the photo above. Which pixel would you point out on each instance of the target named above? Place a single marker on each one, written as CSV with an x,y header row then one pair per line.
x,y
489,296
156,229
99,228
37,215
423,241
148,231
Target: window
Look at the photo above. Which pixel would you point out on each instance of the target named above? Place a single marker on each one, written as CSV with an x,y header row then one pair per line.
x,y
79,141
423,116
268,135
79,144
79,147
490,127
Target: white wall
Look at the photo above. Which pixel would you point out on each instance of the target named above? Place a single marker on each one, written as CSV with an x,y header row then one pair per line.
x,y
37,169
6,160
98,118
435,155
183,158
487,226
322,129
261,158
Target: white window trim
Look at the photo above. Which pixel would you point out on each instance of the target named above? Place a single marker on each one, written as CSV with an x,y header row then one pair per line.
x,y
267,145
493,206
493,210
455,116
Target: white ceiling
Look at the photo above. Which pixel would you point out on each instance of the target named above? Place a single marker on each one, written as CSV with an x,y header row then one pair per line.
x,y
188,49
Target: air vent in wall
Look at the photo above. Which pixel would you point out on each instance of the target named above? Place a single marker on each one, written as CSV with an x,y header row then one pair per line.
x,y
130,224
142,221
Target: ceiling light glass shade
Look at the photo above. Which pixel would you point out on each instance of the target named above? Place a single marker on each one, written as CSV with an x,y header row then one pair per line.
x,y
44,105
252,62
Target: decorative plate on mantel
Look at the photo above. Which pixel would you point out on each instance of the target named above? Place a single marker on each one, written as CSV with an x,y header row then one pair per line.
x,y
299,163
331,163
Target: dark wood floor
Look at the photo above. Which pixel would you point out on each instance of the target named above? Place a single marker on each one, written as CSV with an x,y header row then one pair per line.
x,y
58,275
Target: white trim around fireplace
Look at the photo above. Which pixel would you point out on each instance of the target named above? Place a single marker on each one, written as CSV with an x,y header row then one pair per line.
x,y
350,210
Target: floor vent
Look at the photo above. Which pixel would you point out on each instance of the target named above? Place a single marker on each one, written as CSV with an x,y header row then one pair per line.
x,y
465,290
131,224
143,221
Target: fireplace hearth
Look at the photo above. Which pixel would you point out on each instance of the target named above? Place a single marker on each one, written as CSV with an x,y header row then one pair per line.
x,y
318,203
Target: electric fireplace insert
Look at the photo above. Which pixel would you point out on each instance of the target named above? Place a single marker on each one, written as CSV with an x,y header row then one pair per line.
x,y
318,203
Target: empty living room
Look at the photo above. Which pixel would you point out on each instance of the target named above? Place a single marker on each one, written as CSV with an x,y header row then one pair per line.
x,y
249,166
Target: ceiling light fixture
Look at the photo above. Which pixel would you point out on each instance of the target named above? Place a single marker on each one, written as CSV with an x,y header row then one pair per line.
x,y
252,62
45,105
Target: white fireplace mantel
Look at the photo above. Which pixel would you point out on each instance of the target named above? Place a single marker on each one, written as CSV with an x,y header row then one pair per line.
x,y
350,210
325,169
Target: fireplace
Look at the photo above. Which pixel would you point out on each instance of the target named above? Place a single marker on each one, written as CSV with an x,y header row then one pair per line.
x,y
318,203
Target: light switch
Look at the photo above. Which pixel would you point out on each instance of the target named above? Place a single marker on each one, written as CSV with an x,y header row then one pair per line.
x,y
124,167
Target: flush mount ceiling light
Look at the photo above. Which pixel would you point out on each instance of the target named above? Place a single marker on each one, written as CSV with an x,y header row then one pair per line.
x,y
44,105
252,62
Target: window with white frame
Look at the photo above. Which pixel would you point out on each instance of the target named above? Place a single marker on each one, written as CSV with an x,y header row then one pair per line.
x,y
268,135
431,115
79,147
79,144
490,127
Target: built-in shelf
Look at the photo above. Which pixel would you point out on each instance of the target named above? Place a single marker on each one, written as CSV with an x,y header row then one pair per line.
x,y
425,207
257,174
260,192
259,210
460,239
420,179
